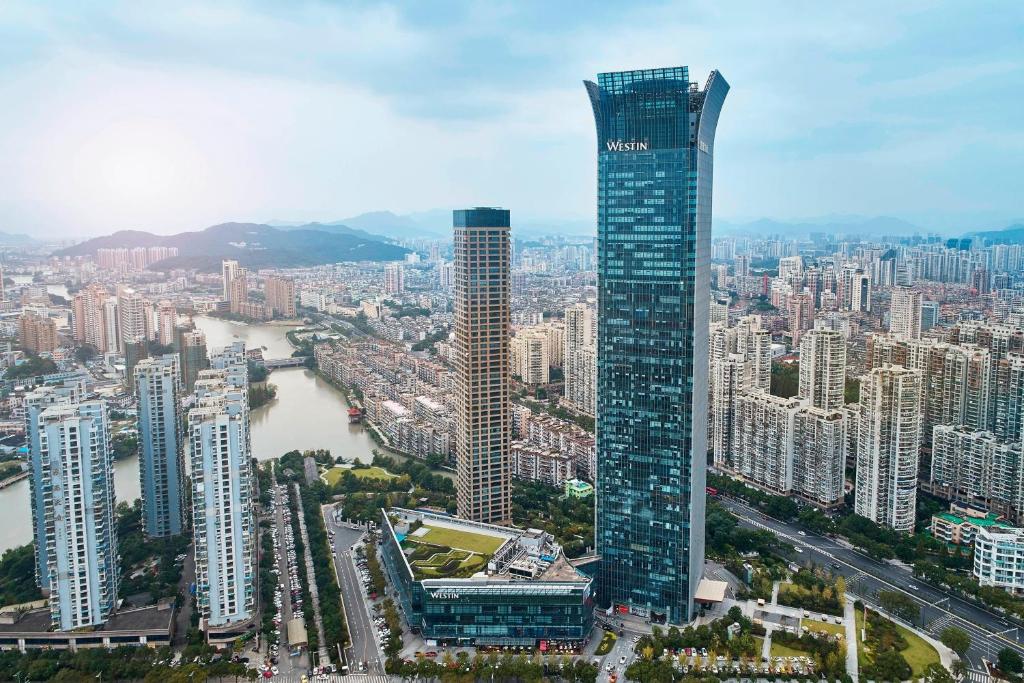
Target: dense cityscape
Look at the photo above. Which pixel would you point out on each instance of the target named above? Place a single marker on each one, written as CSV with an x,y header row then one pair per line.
x,y
462,445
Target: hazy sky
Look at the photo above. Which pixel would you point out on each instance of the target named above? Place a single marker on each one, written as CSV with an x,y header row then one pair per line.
x,y
174,116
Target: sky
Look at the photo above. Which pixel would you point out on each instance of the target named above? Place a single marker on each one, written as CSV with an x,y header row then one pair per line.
x,y
174,116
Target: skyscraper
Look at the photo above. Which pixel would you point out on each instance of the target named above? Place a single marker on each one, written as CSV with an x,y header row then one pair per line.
x,y
887,447
36,402
81,532
37,333
482,327
223,519
161,461
655,141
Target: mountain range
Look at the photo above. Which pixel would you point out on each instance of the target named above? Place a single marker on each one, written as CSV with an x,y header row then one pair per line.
x,y
8,239
253,245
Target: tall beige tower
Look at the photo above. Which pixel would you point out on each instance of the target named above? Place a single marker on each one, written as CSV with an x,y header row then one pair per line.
x,y
482,329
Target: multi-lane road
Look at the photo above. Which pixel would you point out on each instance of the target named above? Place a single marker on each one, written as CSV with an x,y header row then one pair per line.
x,y
866,576
363,645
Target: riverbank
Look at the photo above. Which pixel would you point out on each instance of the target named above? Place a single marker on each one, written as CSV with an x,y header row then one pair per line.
x,y
14,479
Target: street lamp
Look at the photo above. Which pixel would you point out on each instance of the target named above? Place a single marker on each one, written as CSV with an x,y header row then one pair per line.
x,y
993,635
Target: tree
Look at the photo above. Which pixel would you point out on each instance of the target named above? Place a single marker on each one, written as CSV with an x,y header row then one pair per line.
x,y
956,639
781,508
899,604
1009,661
890,666
936,673
959,669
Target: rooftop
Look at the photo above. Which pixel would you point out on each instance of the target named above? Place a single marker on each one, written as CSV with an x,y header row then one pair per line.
x,y
438,546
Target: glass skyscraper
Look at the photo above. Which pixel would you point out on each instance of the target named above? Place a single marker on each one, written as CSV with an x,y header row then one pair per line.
x,y
655,141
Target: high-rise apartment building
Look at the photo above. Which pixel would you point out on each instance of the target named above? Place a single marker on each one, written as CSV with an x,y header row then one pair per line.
x,y
280,296
394,278
132,318
978,468
37,333
482,360
36,401
819,455
762,440
81,532
579,357
887,447
161,450
238,291
94,319
224,523
905,313
228,271
530,356
823,369
191,346
166,320
655,144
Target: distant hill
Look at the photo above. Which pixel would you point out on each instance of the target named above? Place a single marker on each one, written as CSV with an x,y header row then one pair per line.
x,y
838,225
1013,234
15,240
400,227
253,245
335,228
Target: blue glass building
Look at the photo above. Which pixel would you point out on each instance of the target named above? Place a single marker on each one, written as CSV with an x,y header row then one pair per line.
x,y
655,142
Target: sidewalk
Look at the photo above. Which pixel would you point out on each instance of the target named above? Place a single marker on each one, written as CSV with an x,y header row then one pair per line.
x,y
850,619
314,593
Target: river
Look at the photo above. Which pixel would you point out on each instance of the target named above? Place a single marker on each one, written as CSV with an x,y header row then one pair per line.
x,y
307,413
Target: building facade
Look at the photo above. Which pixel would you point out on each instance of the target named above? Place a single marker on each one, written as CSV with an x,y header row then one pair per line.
x,y
887,447
161,447
482,360
37,333
523,594
222,508
655,141
83,573
999,559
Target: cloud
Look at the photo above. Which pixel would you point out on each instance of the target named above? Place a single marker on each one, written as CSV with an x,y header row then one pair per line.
x,y
172,117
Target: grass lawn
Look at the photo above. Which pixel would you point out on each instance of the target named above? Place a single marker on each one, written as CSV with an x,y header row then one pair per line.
x,y
373,473
919,653
334,474
779,650
462,540
605,646
815,625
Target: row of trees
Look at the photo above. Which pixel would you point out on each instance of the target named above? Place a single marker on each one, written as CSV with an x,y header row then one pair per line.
x,y
492,666
123,663
335,629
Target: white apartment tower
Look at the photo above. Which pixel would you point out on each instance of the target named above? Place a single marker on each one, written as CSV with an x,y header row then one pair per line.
x,y
887,447
823,369
161,461
222,507
905,313
78,496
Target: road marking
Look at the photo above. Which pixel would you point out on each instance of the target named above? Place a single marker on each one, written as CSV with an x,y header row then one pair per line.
x,y
965,624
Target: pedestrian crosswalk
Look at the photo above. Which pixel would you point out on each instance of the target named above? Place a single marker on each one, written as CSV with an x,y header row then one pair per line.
x,y
978,676
935,626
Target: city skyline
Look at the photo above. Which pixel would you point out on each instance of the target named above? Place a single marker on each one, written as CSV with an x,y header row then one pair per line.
x,y
663,450
838,107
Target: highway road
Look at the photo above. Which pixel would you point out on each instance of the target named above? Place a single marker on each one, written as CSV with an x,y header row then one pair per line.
x,y
363,647
866,576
